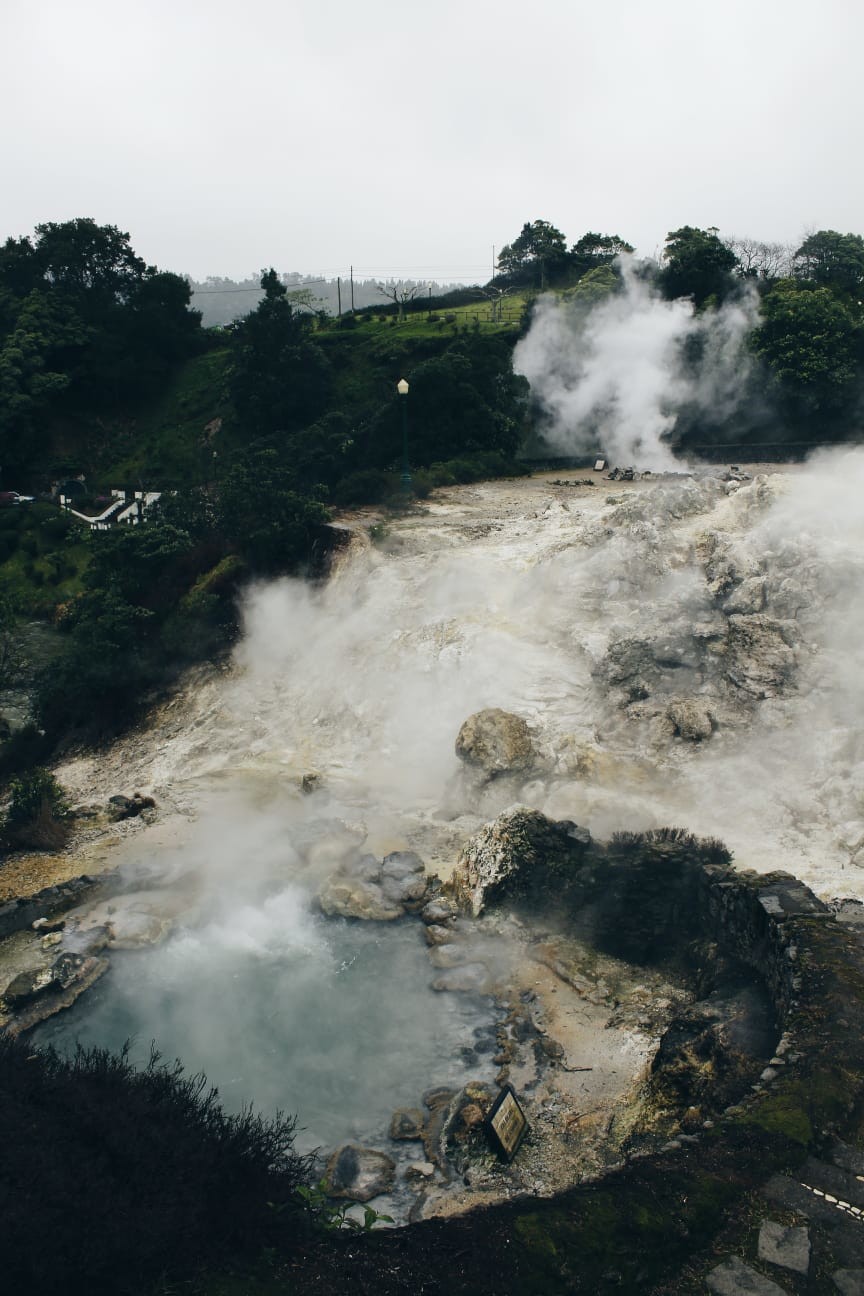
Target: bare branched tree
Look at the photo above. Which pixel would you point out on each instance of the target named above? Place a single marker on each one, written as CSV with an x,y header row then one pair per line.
x,y
400,293
758,260
496,297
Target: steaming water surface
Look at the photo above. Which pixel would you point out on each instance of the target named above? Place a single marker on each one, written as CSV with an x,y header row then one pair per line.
x,y
335,1021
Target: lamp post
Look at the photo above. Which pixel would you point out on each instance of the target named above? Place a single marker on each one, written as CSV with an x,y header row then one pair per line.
x,y
402,389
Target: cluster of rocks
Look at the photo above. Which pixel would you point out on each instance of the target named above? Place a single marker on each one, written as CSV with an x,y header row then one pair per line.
x,y
449,1118
377,890
124,807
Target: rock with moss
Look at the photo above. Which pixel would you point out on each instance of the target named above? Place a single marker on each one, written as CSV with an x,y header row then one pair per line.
x,y
521,855
495,742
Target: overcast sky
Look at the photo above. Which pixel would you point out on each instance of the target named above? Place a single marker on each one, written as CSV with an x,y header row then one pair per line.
x,y
411,138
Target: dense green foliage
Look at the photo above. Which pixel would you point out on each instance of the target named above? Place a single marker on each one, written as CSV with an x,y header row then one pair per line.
x,y
37,807
85,325
112,1177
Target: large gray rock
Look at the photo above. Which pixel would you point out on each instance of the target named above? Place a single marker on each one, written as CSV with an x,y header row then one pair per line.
x,y
403,878
519,852
358,1173
759,658
495,742
733,1277
787,1247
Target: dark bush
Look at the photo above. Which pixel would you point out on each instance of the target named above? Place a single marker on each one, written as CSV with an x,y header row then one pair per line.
x,y
37,809
113,1178
368,486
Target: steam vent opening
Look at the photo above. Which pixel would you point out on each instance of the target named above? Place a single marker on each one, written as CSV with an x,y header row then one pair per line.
x,y
550,785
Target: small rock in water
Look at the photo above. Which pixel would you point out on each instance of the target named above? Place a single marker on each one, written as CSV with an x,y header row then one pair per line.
x,y
407,1123
359,1173
437,912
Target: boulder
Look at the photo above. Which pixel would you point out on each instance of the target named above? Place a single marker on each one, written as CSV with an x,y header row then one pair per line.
x,y
358,1173
495,742
759,658
519,855
27,986
690,719
403,878
438,912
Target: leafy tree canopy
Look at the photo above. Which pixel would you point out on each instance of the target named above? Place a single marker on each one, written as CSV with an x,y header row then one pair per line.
x,y
832,260
809,338
280,379
594,250
698,265
534,255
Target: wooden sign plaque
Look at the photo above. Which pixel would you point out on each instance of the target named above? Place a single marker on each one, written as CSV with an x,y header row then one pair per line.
x,y
506,1124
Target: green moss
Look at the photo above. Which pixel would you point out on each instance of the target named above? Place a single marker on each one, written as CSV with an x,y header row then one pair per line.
x,y
533,1233
784,1113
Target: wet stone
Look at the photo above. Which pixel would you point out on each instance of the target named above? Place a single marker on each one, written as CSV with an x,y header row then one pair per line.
x,y
436,935
438,1097
407,1123
359,1173
438,912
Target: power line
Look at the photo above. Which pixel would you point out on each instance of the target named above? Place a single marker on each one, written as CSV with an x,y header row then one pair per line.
x,y
200,292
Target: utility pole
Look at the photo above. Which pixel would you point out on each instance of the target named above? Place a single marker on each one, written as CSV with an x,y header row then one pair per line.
x,y
338,297
352,289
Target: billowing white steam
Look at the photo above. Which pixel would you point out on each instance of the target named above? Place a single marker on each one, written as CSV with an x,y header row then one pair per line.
x,y
616,378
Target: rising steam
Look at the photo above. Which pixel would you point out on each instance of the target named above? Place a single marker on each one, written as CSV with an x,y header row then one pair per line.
x,y
617,376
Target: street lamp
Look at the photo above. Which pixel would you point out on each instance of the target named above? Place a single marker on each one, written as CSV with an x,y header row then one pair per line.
x,y
402,389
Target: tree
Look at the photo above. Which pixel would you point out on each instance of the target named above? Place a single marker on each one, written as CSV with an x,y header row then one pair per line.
x,y
758,260
108,324
832,260
92,261
280,379
809,339
594,250
495,296
35,358
698,265
37,810
400,293
535,255
263,514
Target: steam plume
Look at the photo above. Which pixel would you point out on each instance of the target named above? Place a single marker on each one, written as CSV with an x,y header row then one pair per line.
x,y
618,376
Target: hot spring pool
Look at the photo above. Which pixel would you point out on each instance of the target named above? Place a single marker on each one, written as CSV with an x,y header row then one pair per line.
x,y
330,1020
